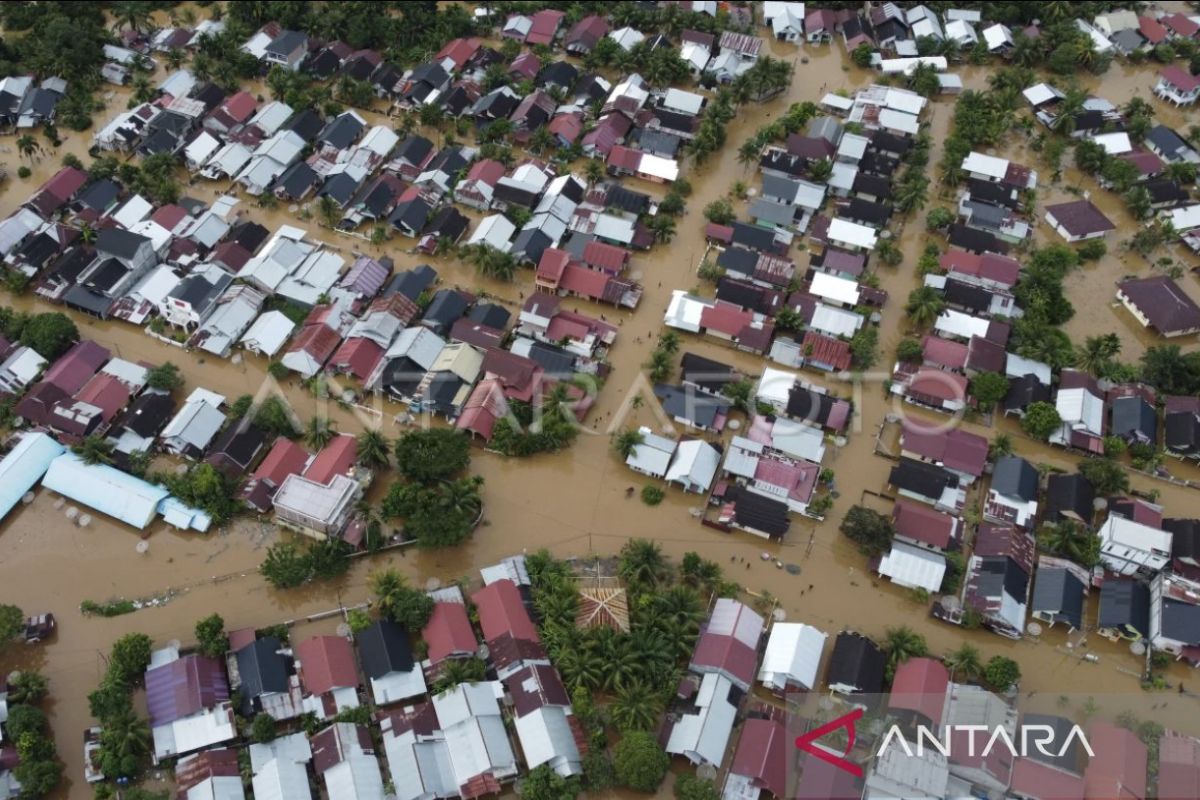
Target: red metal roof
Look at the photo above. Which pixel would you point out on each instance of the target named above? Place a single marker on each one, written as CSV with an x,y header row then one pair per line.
x,y
193,770
923,524
584,282
957,449
519,376
545,25
336,458
1181,25
552,263
106,393
448,632
607,257
240,106
727,654
487,171
1180,79
567,126
326,663
1118,768
938,384
1151,29
1035,779
624,157
65,183
73,369
725,318
588,31
826,350
604,136
459,51
1147,163
484,408
536,686
720,233
762,755
501,611
1178,766
318,340
920,686
943,352
285,458
169,216
357,357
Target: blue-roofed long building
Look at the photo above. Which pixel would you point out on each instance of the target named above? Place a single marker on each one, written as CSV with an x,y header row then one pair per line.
x,y
119,495
24,466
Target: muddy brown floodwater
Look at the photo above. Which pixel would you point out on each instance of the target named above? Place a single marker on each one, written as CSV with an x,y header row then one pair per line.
x,y
572,503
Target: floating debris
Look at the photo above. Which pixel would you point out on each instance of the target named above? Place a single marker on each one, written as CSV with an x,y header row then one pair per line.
x,y
793,569
85,520
142,547
765,556
72,513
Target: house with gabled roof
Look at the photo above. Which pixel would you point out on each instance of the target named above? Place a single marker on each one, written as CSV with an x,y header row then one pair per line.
x,y
1059,592
188,701
998,577
512,639
728,644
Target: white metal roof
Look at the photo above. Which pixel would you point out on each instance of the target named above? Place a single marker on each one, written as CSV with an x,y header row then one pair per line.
x,y
1186,218
913,567
1018,367
898,121
1041,93
685,102
1114,143
836,101
834,288
419,344
798,440
732,618
132,211
268,333
1121,532
982,164
793,655
695,463
997,36
546,738
418,768
836,321
852,234
684,311
956,323
495,231
653,455
1079,407
703,736
853,146
775,385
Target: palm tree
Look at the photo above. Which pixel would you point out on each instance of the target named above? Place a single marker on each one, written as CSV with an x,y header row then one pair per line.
x,y
698,572
1026,52
95,449
668,342
581,667
659,366
1068,539
662,226
1096,354
677,612
965,662
636,707
642,563
593,170
454,671
820,171
622,663
1182,171
329,211
1000,447
87,234
27,146
913,193
541,140
175,58
124,741
268,201
749,153
901,644
133,14
461,497
318,433
373,448
626,441
389,588
924,306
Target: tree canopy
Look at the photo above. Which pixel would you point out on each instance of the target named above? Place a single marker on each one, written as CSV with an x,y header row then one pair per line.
x,y
869,529
433,454
639,762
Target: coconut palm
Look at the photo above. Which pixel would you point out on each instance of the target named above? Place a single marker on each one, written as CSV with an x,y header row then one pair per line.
x,y
373,448
461,497
924,306
1181,171
318,433
389,588
1026,52
748,153
912,194
1096,354
636,707
1068,539
622,665
662,226
95,449
581,667
593,170
175,58
901,644
132,14
27,146
698,572
558,607
626,441
653,649
668,342
659,366
1001,446
965,662
124,743
454,671
642,563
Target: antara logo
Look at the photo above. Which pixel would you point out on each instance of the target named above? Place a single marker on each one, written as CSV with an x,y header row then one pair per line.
x,y
1031,740
808,742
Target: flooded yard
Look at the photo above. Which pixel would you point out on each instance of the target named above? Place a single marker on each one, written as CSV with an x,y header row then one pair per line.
x,y
575,502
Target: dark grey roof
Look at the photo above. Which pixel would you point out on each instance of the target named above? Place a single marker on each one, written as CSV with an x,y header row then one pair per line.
x,y
967,296
494,105
442,391
1013,476
1181,621
746,294
554,360
263,670
999,575
323,64
448,223
286,43
199,292
921,478
753,237
1167,142
761,513
414,149
490,314
994,193
1134,416
558,73
986,215
1069,493
865,183
411,283
1023,391
410,215
297,179
384,648
1166,190
148,414
1059,594
99,195
530,244
706,373
249,235
1182,433
974,240
680,402
88,301
447,306
341,188
1125,604
867,211
626,200
160,141
856,661
119,243
888,142
305,123
341,131
1128,40
1185,538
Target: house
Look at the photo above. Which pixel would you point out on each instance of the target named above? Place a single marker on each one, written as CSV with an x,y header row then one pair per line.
x,y
264,680
328,675
188,701
194,297
343,755
1160,303
545,724
316,342
448,633
697,410
1175,615
1078,220
700,729
283,459
999,170
758,508
786,20
792,657
651,456
387,661
193,428
728,644
693,466
926,483
998,577
24,465
1124,609
62,380
1070,497
760,761
1118,766
1128,547
288,50
236,449
919,690
1170,146
922,526
1134,419
53,195
512,639
1013,495
1059,592
957,450
856,666
20,368
585,34
212,773
1178,765
1181,426
1081,408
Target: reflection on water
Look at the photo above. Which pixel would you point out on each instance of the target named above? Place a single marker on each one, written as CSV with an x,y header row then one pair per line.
x,y
573,502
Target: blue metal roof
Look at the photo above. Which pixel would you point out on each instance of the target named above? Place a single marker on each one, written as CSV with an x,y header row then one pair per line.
x,y
24,466
105,489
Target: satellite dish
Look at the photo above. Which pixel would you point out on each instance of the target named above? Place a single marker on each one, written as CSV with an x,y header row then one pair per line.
x,y
72,513
432,584
142,547
1033,629
343,629
27,498
779,614
707,771
484,652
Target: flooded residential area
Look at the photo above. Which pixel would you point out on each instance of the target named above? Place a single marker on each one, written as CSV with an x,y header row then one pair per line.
x,y
578,398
